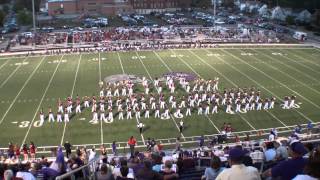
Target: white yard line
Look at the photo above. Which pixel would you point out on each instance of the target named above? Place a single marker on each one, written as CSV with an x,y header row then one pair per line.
x,y
120,63
144,66
101,126
4,64
233,67
40,103
12,73
100,67
284,73
301,63
298,56
172,118
24,85
174,121
72,91
160,58
265,74
233,83
218,73
142,137
214,124
285,64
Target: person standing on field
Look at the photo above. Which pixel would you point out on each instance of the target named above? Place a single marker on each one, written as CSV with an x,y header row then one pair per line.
x,y
67,147
132,143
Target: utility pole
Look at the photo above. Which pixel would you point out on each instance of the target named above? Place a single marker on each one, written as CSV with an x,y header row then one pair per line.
x,y
34,22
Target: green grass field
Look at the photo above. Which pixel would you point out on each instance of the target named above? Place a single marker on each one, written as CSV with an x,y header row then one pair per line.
x,y
29,84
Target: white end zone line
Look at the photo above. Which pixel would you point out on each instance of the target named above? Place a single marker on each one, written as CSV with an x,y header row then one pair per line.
x,y
74,84
40,103
12,73
259,84
231,83
24,85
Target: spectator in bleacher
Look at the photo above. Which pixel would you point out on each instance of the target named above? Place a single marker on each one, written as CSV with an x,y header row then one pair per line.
x,y
157,161
270,152
312,168
214,170
272,136
238,170
281,150
310,148
59,164
168,173
32,151
104,173
114,148
185,162
10,150
178,145
201,141
117,170
23,172
147,173
8,175
124,174
309,127
288,169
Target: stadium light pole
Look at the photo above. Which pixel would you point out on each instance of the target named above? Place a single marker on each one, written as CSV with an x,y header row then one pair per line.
x,y
34,22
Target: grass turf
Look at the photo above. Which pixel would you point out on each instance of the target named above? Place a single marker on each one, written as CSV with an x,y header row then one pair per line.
x,y
29,84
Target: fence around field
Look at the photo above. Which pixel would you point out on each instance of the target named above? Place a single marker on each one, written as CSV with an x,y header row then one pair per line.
x,y
254,134
32,52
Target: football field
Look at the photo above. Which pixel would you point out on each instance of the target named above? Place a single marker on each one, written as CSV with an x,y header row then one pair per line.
x,y
29,84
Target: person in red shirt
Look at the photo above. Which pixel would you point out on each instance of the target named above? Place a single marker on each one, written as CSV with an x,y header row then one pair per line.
x,y
17,152
25,152
32,151
132,143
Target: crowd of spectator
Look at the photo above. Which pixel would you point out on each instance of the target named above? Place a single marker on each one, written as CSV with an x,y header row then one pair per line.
x,y
281,158
146,34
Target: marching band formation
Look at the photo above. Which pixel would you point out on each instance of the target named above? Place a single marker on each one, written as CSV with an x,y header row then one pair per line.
x,y
160,99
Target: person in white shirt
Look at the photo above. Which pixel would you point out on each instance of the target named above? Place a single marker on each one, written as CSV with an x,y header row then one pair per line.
x,y
238,170
140,126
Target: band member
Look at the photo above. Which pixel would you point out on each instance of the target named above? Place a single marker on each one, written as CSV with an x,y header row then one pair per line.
x,y
86,102
120,117
95,116
59,116
66,116
51,116
41,116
